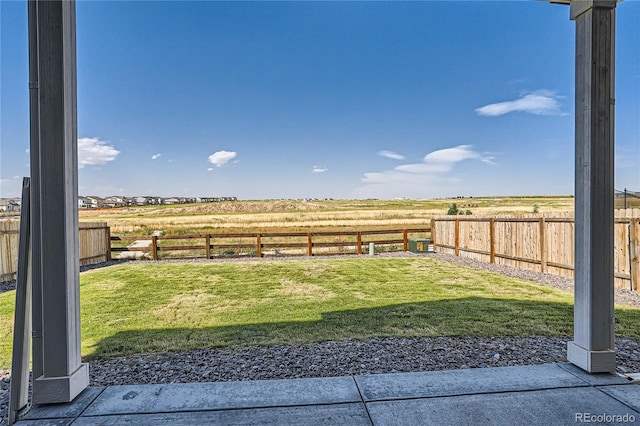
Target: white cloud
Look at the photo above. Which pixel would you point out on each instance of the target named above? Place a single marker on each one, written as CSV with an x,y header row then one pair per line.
x,y
10,187
318,169
156,156
94,152
209,169
541,102
455,155
431,175
221,158
390,154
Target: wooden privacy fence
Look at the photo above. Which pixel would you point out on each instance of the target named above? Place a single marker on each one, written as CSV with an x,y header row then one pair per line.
x,y
264,244
536,242
94,241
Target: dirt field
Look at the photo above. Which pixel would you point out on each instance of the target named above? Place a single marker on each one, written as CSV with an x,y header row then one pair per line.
x,y
292,215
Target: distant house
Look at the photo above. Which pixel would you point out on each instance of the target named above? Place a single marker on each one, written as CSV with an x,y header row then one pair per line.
x,y
96,201
114,201
209,199
90,202
85,203
10,205
142,201
147,200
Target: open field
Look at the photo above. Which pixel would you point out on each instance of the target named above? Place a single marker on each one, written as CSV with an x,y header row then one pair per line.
x,y
265,216
135,308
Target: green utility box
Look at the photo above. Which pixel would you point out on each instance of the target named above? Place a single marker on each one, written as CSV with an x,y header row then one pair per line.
x,y
420,245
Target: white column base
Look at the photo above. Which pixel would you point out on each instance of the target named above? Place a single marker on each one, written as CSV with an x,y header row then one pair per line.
x,y
56,390
591,361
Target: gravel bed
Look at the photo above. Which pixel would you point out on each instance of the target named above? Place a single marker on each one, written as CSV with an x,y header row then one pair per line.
x,y
344,358
350,357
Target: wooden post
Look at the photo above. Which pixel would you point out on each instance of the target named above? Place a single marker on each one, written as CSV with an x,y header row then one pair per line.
x,y
208,247
592,348
634,254
258,246
309,245
154,241
457,237
543,245
359,242
108,242
492,240
433,233
405,240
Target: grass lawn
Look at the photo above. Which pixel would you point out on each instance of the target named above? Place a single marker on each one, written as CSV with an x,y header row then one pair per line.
x,y
135,308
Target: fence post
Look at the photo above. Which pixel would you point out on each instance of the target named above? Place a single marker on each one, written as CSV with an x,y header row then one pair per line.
x,y
405,240
309,244
154,241
457,237
107,232
492,240
433,233
208,248
543,245
633,253
359,242
258,246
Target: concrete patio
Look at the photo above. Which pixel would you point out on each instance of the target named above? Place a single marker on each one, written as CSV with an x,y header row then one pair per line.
x,y
548,394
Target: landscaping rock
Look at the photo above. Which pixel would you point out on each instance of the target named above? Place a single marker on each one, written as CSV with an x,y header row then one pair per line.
x,y
352,357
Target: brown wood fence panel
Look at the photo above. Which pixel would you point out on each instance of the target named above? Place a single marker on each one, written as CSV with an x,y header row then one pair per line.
x,y
94,241
537,242
474,237
444,233
9,231
508,249
559,239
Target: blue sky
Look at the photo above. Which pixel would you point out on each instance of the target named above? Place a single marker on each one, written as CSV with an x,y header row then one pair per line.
x,y
322,99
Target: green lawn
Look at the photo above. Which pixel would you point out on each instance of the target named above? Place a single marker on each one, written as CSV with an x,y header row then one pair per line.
x,y
137,308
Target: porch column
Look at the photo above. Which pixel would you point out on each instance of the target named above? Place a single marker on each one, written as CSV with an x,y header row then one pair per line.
x,y
593,346
59,374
